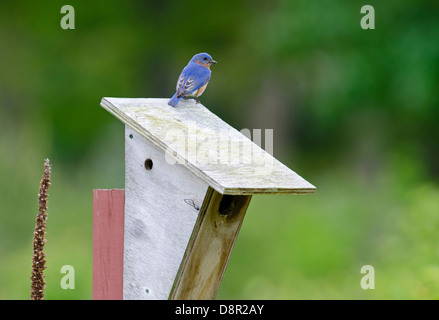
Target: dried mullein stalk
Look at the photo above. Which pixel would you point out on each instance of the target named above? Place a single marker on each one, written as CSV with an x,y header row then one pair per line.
x,y
39,257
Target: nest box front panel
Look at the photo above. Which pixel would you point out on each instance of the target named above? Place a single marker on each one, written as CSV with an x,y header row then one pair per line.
x,y
162,203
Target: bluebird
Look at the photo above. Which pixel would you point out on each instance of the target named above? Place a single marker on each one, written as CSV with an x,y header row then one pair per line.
x,y
193,79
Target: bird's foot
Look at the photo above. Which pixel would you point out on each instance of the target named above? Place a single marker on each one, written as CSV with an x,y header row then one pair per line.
x,y
191,98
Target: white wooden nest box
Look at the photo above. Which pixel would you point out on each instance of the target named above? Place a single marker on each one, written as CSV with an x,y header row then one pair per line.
x,y
189,178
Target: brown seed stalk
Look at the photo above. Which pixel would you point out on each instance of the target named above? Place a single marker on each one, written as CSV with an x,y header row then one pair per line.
x,y
39,257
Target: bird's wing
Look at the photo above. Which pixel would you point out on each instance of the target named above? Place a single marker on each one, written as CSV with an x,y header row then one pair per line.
x,y
192,78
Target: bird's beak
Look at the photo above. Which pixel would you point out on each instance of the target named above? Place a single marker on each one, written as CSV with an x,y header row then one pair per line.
x,y
213,61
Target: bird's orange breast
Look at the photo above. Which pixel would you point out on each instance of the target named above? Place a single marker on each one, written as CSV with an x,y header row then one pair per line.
x,y
204,65
201,90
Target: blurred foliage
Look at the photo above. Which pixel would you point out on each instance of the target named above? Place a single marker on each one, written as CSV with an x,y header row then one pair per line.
x,y
353,111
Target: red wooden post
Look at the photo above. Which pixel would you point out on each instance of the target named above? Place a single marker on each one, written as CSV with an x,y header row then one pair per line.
x,y
108,234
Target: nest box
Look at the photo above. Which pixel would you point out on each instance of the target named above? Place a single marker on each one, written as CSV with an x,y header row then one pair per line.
x,y
189,178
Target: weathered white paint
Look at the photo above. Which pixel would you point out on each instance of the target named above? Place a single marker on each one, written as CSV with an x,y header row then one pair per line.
x,y
158,220
190,130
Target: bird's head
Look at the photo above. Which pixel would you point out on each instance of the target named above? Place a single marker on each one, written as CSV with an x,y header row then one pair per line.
x,y
203,59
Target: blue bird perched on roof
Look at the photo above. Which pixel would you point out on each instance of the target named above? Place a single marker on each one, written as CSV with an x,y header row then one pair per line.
x,y
193,79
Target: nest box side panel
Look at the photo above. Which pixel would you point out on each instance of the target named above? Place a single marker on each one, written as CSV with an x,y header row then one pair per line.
x,y
162,203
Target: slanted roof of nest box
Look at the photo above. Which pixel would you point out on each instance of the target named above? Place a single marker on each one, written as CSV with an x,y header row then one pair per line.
x,y
191,133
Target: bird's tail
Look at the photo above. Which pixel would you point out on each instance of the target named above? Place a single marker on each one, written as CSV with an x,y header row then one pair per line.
x,y
174,100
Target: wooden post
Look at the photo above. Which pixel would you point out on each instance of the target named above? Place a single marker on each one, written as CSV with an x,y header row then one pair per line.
x,y
189,178
214,236
108,230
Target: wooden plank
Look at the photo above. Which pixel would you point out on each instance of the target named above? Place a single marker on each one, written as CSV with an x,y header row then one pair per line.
x,y
210,246
162,203
207,146
108,230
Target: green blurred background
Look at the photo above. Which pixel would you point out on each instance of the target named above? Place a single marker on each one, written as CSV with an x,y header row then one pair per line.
x,y
354,111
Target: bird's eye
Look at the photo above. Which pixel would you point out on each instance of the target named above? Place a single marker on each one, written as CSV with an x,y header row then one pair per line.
x,y
205,58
